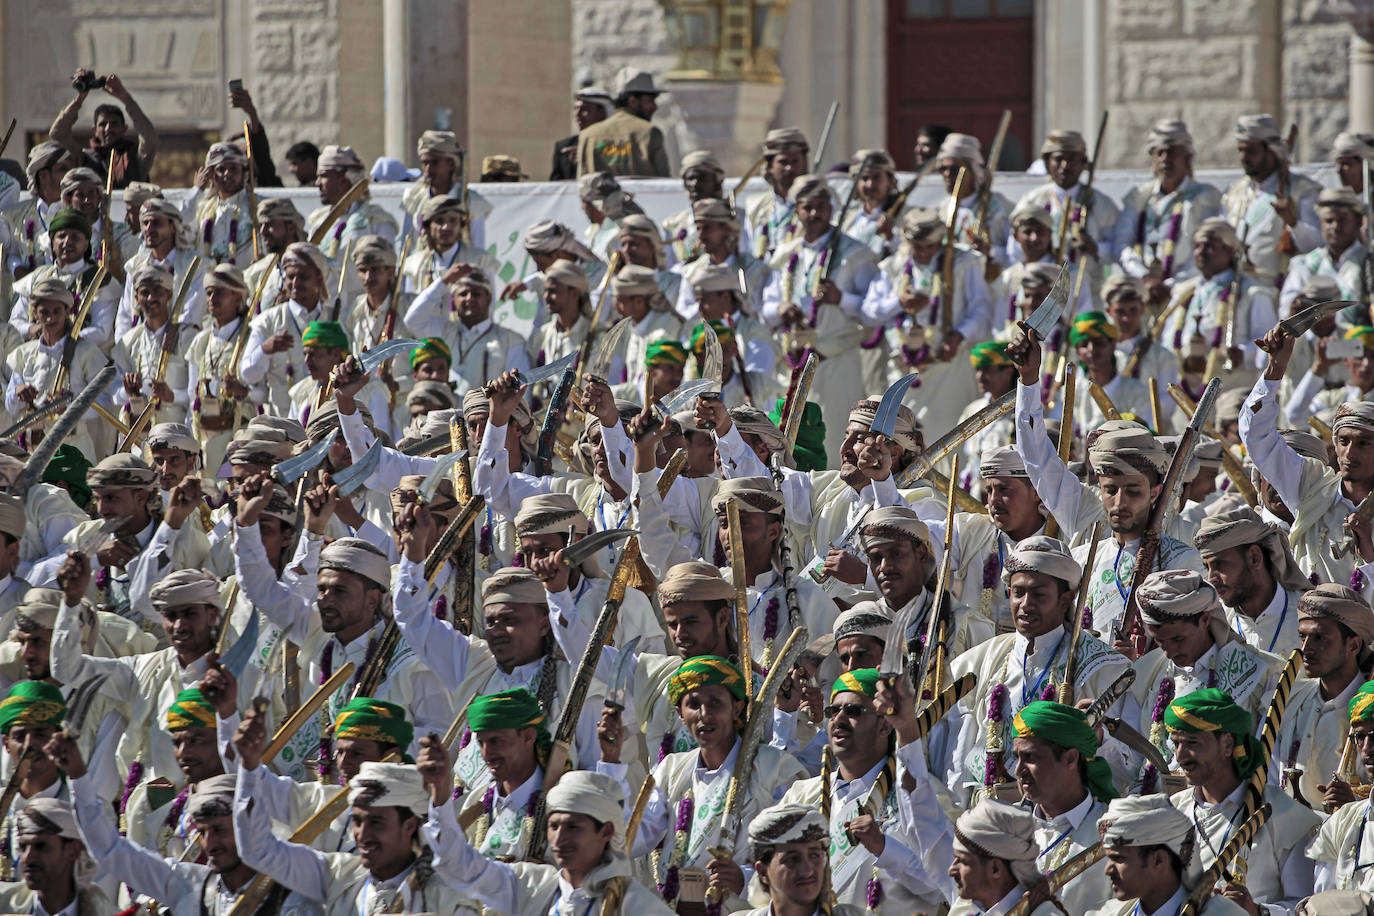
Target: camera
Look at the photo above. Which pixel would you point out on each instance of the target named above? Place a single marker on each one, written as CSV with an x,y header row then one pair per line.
x,y
88,81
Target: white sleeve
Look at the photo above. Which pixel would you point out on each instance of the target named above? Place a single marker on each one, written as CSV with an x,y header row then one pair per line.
x,y
151,564
280,604
489,881
1302,400
880,303
425,317
298,867
1060,491
441,647
142,869
253,365
978,319
1276,461
504,491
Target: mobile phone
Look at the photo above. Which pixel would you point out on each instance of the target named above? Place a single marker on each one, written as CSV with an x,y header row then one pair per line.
x,y
235,85
1340,348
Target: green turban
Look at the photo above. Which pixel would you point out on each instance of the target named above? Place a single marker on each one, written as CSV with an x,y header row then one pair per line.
x,y
1362,705
329,334
366,719
70,219
1067,727
809,450
1364,334
990,354
430,348
1212,710
515,708
704,671
665,353
724,333
32,703
190,710
1090,325
860,680
69,467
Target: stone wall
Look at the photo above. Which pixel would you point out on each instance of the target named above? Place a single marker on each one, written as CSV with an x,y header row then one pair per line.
x,y
1316,75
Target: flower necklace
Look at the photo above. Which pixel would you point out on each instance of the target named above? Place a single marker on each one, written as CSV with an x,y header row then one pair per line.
x,y
671,885
172,823
485,822
1163,697
1166,247
326,752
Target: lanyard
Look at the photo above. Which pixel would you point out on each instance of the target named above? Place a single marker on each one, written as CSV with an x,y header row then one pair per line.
x,y
1116,576
1049,666
1059,839
1279,629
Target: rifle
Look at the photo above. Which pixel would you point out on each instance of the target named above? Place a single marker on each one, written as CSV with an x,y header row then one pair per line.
x,y
1172,483
894,209
250,184
59,383
1066,689
343,276
577,694
985,193
1086,198
931,676
738,574
169,344
753,169
113,264
832,250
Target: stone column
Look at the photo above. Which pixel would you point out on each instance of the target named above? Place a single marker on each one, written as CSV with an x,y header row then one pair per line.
x,y
396,66
1360,15
727,118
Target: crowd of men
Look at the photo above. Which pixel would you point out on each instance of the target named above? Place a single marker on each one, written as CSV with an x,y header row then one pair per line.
x,y
815,553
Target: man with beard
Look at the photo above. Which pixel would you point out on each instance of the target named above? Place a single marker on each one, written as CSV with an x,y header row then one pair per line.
x,y
876,175
56,868
1139,354
280,225
1216,747
442,162
994,860
790,849
1339,850
1340,258
273,359
1159,217
1273,208
48,162
626,143
339,170
964,153
73,266
31,713
702,176
140,353
768,216
440,257
1152,860
460,315
1321,499
223,223
160,225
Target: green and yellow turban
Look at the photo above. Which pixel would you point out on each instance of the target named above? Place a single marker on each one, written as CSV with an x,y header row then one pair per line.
x,y
1362,705
860,680
704,671
1363,333
32,703
69,467
1090,325
366,719
190,710
1212,710
991,354
1067,727
430,348
724,333
665,353
514,708
329,334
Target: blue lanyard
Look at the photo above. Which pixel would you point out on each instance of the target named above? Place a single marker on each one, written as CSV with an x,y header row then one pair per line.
x,y
1115,574
1059,839
1049,666
1279,629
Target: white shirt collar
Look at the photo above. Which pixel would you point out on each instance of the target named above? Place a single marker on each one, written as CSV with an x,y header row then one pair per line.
x,y
477,330
226,332
1004,905
727,767
1069,819
521,796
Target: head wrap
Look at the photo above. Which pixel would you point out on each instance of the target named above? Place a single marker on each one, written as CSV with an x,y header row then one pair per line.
x,y
1040,275
10,466
122,470
863,681
595,187
1090,325
869,159
996,830
724,333
751,494
864,618
695,580
79,177
639,225
281,506
781,139
368,719
476,277
1239,526
173,435
513,585
1168,132
153,275
593,795
1044,555
1064,141
190,710
700,159
515,708
354,555
1029,211
306,255
665,353
1212,710
185,587
334,156
225,152
1127,451
633,280
258,451
32,703
1341,604
705,671
43,156
903,431
12,520
1337,903
550,513
48,816
51,289
226,276
440,143
782,824
1217,228
1354,414
1003,461
569,274
1181,594
389,785
755,422
990,354
805,187
886,524
138,193
70,219
1363,333
922,225
1361,705
502,167
1067,727
1350,144
329,335
432,394
1336,198
160,207
706,277
212,797
430,348
1261,127
373,250
1121,285
69,467
962,146
440,204
1151,820
274,208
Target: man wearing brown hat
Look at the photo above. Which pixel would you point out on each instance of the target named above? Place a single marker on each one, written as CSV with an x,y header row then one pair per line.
x,y
876,174
1158,218
213,408
1271,206
963,152
1341,256
339,170
545,242
280,225
626,143
1316,383
702,178
160,223
768,218
1032,228
222,219
442,160
139,353
1336,637
567,296
83,189
716,237
273,360
1215,316
1139,355
48,162
459,313
439,254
